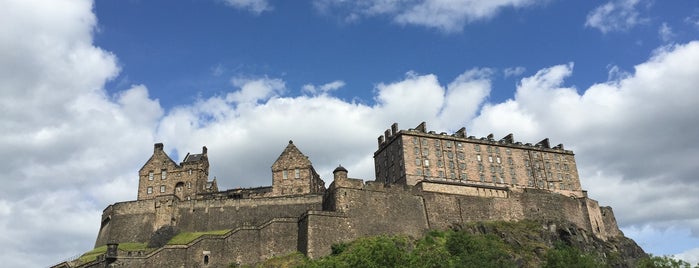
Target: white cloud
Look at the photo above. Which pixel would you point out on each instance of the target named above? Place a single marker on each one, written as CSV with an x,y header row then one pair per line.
x,y
630,134
448,16
254,90
665,33
615,16
514,71
322,89
691,256
253,6
64,136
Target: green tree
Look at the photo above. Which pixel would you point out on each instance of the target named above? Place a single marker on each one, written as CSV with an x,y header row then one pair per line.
x,y
663,262
564,256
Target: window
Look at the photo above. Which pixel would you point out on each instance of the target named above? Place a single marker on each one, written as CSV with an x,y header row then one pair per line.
x,y
189,185
451,164
417,161
150,190
428,173
163,174
482,178
490,149
514,180
441,174
508,151
497,150
452,176
450,154
436,143
512,171
414,140
462,166
448,144
478,157
477,147
150,175
416,150
490,159
189,171
526,163
424,141
297,173
492,169
497,159
480,167
425,152
459,145
439,153
439,163
162,188
461,156
427,163
463,176
285,174
560,176
419,172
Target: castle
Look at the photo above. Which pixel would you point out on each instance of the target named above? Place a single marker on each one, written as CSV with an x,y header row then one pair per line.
x,y
424,180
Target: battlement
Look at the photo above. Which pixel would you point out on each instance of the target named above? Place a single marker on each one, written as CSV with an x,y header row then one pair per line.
x,y
460,135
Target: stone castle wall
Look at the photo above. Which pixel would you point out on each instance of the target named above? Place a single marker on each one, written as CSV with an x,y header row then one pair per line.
x,y
136,221
266,227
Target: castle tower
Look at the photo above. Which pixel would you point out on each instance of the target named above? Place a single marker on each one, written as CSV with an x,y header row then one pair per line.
x,y
293,174
415,155
161,176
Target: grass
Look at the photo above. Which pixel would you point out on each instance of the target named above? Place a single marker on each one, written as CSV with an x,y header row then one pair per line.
x,y
185,238
92,254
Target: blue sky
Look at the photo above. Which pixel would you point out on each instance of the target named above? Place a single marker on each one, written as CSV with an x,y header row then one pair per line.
x,y
87,87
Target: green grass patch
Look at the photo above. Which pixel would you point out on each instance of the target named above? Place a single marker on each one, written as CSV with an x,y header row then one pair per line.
x,y
92,254
185,238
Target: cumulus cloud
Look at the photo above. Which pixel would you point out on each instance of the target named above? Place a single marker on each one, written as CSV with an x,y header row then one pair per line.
x,y
615,16
448,16
63,135
243,141
629,134
322,89
253,6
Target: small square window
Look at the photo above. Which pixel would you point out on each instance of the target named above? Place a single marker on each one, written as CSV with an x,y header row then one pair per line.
x,y
150,190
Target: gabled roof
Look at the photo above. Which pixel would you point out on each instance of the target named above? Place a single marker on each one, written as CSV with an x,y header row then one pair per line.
x,y
291,157
192,158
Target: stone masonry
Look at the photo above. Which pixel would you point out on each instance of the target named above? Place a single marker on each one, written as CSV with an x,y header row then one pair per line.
x,y
424,181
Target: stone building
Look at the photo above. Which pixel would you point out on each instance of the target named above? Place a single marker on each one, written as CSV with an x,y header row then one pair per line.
x,y
424,181
415,155
161,176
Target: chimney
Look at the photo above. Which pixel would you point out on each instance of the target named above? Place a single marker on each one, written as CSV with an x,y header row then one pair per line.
x,y
422,127
380,139
394,129
204,150
461,133
158,147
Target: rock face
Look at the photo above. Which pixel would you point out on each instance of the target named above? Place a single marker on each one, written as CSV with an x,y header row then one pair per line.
x,y
617,251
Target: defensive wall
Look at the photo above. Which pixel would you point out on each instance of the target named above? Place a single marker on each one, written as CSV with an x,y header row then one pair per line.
x,y
262,228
